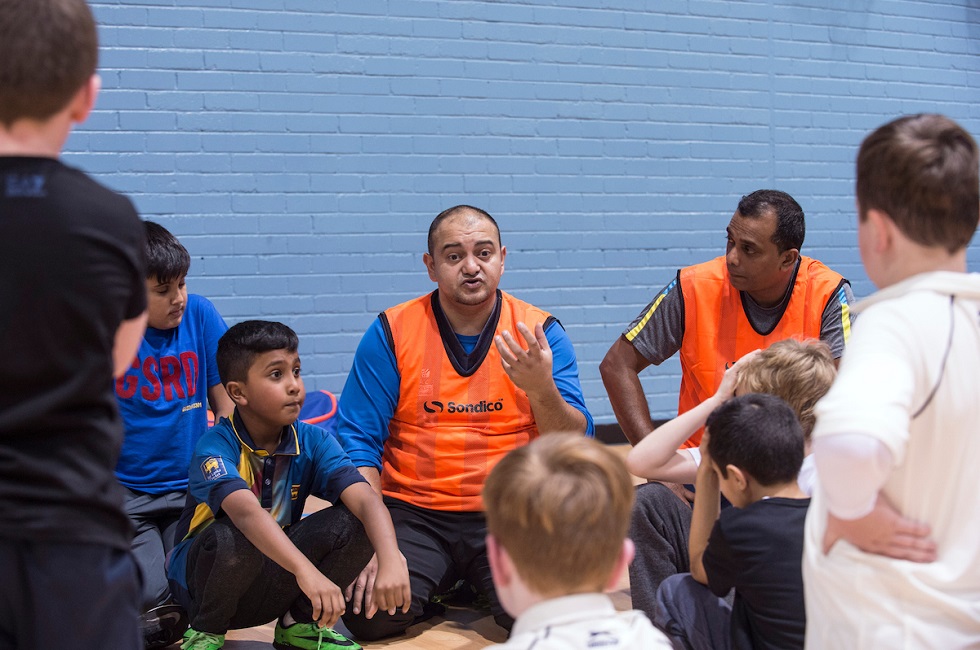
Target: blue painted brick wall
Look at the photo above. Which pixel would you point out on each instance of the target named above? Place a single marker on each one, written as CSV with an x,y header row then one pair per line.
x,y
300,148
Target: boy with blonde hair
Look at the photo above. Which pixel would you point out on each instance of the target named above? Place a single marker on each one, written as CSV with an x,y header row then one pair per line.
x,y
800,372
892,556
557,513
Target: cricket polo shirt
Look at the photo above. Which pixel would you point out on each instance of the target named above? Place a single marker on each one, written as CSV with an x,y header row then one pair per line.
x,y
308,461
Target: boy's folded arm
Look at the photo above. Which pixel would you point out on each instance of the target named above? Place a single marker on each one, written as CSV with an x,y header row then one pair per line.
x,y
126,342
706,509
264,532
389,588
657,456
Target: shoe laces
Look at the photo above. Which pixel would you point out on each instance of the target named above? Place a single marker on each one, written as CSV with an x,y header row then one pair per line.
x,y
202,641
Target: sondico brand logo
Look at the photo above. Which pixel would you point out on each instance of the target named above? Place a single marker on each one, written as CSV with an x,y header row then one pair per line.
x,y
483,406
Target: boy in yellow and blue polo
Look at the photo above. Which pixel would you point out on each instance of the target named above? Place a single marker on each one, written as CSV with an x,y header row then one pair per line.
x,y
247,556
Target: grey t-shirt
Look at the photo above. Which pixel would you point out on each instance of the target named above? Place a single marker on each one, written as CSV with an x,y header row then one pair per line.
x,y
659,329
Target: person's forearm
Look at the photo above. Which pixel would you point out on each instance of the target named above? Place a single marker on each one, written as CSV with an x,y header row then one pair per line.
x,y
261,529
372,476
552,414
620,377
652,454
707,506
376,520
852,469
126,342
221,404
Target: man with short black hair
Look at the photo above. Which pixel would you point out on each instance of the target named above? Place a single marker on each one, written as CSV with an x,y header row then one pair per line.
x,y
761,291
440,390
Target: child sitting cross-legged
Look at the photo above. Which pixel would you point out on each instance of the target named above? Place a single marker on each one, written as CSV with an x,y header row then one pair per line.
x,y
557,513
751,452
800,372
246,555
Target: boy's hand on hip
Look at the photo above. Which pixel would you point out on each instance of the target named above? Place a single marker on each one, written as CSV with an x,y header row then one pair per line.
x,y
883,531
325,596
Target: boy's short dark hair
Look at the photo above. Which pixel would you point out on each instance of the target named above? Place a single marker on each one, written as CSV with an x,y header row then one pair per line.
x,y
922,171
759,434
238,347
49,49
790,224
166,257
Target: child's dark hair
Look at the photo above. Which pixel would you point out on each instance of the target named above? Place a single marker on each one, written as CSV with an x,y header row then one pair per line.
x,y
759,434
239,346
166,257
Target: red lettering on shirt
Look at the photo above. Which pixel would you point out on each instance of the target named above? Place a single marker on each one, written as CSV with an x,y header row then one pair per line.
x,y
188,361
126,385
170,374
150,369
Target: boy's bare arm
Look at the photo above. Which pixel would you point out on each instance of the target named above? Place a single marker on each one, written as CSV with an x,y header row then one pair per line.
x,y
261,529
372,476
221,404
126,342
854,468
706,509
657,456
384,583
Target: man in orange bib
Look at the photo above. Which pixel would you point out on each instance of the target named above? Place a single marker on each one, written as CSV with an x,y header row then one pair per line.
x,y
440,390
761,291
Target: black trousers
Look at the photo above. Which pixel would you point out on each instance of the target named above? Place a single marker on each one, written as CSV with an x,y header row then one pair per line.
x,y
441,548
233,585
68,596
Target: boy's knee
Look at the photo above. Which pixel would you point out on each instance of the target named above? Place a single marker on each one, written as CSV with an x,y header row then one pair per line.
x,y
381,626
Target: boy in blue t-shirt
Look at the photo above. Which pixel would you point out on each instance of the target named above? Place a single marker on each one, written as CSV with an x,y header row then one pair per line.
x,y
751,452
162,400
246,555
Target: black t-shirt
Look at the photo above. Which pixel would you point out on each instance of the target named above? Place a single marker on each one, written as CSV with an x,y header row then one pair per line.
x,y
758,550
71,270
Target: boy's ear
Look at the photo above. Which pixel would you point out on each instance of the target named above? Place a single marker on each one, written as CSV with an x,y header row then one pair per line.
x,y
882,229
84,100
626,554
501,567
740,478
235,392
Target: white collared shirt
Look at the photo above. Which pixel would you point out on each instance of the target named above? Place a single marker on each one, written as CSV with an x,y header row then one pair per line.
x,y
583,621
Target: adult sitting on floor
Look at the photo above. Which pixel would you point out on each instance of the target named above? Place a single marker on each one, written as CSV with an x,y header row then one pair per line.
x,y
761,291
440,390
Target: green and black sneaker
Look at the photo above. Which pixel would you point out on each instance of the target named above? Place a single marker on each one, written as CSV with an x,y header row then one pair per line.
x,y
310,636
195,640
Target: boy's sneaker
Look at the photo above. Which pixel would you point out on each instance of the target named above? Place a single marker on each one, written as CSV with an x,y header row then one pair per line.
x,y
194,640
163,626
309,636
